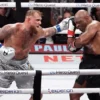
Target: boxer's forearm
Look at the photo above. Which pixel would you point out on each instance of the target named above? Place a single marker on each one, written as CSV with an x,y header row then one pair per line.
x,y
49,31
63,25
78,43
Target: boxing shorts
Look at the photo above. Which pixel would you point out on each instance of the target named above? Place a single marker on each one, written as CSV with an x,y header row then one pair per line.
x,y
89,61
25,81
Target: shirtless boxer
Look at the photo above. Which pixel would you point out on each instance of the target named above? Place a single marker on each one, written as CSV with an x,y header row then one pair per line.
x,y
90,40
18,38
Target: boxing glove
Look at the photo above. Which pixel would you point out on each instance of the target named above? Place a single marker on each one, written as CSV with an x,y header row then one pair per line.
x,y
71,27
6,53
63,25
71,47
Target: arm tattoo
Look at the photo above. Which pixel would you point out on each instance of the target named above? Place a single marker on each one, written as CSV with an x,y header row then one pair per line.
x,y
5,31
50,31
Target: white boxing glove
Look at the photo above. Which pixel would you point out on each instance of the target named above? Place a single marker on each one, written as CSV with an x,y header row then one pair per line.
x,y
6,53
71,27
63,25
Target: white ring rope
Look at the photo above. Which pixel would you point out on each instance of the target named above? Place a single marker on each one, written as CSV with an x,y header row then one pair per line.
x,y
52,72
49,5
50,91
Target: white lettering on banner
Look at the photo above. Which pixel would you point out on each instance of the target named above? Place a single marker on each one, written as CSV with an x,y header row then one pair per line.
x,y
47,48
60,48
37,47
62,58
51,48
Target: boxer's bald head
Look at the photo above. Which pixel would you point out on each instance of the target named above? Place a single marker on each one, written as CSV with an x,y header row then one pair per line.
x,y
82,19
81,13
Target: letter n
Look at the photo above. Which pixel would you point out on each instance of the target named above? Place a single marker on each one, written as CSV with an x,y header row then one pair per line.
x,y
49,58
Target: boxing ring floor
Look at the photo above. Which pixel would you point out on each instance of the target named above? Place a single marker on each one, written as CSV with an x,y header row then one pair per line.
x,y
49,82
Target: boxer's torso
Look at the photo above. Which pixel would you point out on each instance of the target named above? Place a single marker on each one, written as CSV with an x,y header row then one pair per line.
x,y
21,39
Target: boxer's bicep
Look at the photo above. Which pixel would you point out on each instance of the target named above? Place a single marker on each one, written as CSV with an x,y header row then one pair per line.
x,y
86,37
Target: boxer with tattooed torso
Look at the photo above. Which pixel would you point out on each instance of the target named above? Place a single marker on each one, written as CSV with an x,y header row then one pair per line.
x,y
18,38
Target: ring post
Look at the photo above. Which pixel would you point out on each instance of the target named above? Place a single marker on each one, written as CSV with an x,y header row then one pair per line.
x,y
37,85
18,5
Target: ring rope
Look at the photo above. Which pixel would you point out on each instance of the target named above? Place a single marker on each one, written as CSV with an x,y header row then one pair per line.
x,y
51,91
49,5
52,72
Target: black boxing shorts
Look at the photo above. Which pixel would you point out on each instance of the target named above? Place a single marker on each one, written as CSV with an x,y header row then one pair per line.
x,y
89,61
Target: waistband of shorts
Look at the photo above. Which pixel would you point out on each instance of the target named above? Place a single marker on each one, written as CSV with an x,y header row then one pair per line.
x,y
92,56
14,61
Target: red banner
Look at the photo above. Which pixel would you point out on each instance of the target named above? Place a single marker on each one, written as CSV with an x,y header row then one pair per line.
x,y
51,48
